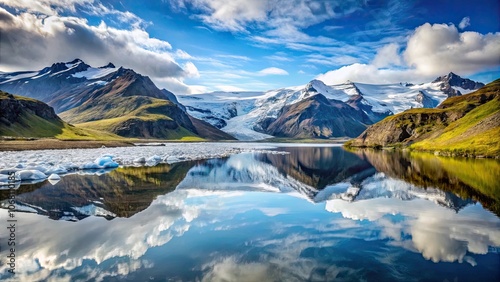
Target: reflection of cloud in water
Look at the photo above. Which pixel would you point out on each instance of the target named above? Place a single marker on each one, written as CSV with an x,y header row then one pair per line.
x,y
49,245
438,233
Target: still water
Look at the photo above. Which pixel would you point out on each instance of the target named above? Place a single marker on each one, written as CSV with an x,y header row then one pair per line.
x,y
313,214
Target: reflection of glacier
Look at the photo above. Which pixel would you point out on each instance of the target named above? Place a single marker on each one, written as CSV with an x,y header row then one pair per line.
x,y
247,172
242,172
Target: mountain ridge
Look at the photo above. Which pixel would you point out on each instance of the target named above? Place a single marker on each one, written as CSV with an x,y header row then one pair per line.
x,y
116,100
466,125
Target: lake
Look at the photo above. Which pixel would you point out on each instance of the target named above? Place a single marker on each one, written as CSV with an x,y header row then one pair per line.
x,y
290,213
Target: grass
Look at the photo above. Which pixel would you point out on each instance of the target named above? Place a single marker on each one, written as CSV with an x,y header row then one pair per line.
x,y
110,114
467,125
109,108
459,137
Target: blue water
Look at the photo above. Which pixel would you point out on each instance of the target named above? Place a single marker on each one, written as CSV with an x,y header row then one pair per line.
x,y
305,216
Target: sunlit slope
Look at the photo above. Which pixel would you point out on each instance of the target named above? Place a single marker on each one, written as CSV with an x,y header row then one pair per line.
x,y
462,125
26,117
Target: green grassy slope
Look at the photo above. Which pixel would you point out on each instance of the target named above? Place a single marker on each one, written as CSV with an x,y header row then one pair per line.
x,y
19,119
134,116
463,125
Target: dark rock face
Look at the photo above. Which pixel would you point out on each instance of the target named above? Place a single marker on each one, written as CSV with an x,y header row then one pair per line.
x,y
318,117
11,108
171,97
405,127
451,79
143,128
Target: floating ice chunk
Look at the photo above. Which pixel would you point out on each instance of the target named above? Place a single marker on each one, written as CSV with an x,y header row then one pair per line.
x,y
54,176
154,160
140,160
172,159
90,166
70,166
31,174
102,162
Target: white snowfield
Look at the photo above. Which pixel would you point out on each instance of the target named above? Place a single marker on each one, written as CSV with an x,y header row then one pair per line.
x,y
35,166
91,73
242,111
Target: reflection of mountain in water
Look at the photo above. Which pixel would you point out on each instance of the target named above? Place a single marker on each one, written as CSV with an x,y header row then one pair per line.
x,y
316,173
319,174
319,167
458,178
122,192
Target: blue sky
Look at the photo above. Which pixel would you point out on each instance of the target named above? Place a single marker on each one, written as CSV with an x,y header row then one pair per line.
x,y
207,45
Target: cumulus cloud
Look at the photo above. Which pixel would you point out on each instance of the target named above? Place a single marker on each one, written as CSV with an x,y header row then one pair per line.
x,y
47,7
387,56
465,22
273,71
367,73
431,50
33,41
440,48
439,234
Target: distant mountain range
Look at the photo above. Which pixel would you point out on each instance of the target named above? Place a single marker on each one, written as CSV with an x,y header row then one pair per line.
x,y
125,103
317,110
110,99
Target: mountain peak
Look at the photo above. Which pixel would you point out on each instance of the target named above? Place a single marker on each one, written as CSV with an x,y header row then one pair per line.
x,y
110,65
452,79
315,86
75,61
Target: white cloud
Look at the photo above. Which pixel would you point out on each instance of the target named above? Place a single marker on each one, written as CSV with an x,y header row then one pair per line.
x,y
387,56
182,54
465,22
239,14
31,42
273,71
366,73
234,57
47,7
191,70
331,60
431,50
281,57
440,48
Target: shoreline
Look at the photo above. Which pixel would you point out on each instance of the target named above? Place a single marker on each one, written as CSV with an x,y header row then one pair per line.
x,y
436,152
56,144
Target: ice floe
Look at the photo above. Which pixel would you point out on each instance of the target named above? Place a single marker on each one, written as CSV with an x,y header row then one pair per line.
x,y
34,166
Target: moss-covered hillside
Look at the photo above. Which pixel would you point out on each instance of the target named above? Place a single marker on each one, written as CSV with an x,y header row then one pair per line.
x,y
26,117
467,125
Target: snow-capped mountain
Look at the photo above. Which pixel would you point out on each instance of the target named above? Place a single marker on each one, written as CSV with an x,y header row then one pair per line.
x,y
347,109
64,86
80,94
246,115
248,172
